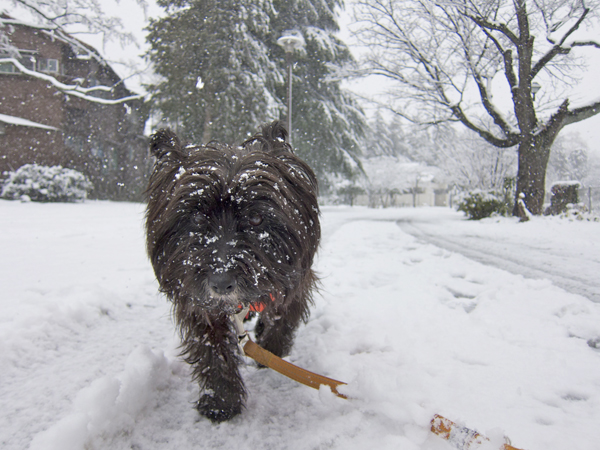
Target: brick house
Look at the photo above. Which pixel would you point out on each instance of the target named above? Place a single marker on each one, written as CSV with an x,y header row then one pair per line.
x,y
50,113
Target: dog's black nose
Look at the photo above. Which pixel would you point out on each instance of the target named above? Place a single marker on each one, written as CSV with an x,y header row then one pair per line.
x,y
222,283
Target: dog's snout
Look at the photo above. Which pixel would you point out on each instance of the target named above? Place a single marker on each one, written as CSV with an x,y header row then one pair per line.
x,y
222,283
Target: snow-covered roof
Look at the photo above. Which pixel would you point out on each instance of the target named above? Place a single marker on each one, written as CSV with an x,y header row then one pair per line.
x,y
12,120
10,21
566,183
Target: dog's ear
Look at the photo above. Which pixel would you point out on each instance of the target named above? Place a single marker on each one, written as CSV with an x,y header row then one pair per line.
x,y
164,144
272,138
275,132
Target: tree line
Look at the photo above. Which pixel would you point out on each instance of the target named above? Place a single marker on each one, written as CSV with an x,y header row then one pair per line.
x,y
478,64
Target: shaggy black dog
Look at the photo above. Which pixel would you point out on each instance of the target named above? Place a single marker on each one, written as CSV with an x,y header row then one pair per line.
x,y
229,227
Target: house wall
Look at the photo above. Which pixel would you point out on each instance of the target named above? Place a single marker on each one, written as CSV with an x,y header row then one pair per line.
x,y
105,142
31,99
24,145
35,100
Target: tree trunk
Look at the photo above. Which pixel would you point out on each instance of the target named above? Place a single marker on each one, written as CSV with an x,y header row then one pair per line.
x,y
534,153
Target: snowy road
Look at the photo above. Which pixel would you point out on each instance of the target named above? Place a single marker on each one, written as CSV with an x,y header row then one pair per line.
x,y
574,268
88,353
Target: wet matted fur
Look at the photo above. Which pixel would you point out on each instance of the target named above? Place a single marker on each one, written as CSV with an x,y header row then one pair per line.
x,y
230,226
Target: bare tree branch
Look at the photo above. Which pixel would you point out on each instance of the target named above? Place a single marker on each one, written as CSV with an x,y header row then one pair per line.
x,y
506,54
483,23
510,141
582,113
558,48
586,44
484,95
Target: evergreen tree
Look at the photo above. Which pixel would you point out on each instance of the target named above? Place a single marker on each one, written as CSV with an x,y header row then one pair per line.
x,y
217,78
386,137
329,126
223,74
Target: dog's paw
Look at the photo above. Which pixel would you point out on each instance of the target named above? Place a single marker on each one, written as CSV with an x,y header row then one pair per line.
x,y
218,409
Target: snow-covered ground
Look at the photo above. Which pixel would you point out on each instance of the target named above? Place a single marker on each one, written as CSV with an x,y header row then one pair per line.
x,y
568,255
88,353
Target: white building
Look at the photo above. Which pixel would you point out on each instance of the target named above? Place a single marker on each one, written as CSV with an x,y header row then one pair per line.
x,y
397,182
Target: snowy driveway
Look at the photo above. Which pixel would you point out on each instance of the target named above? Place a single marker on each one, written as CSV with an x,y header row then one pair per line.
x,y
557,251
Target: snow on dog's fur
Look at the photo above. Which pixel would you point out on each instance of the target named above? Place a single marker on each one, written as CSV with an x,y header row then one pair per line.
x,y
229,227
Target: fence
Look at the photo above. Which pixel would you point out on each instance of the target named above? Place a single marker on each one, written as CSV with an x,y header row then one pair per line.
x,y
591,192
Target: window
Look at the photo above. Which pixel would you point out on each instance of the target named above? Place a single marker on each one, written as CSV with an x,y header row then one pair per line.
x,y
28,61
7,67
25,57
48,65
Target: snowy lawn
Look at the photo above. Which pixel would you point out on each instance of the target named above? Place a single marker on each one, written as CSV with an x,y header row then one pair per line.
x,y
88,353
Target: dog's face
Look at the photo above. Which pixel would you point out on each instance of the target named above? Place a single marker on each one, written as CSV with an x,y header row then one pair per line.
x,y
228,226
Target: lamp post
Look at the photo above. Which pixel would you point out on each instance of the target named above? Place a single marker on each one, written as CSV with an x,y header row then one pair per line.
x,y
535,87
290,41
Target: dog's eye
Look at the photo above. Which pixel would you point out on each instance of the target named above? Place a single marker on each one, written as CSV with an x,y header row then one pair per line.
x,y
255,220
199,219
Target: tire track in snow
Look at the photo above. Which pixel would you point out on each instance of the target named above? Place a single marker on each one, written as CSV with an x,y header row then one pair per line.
x,y
511,257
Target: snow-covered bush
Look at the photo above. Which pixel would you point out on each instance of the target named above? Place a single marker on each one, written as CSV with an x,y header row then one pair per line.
x,y
578,212
478,204
32,182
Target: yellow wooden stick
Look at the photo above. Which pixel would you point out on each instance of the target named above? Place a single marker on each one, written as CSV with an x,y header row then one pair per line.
x,y
459,436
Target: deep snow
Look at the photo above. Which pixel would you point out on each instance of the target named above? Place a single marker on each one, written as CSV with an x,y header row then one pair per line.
x,y
88,353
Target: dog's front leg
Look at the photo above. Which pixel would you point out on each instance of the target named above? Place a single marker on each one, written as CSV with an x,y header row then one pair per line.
x,y
211,347
276,328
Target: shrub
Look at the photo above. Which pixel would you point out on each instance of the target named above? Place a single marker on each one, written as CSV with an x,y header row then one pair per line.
x,y
45,184
478,205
